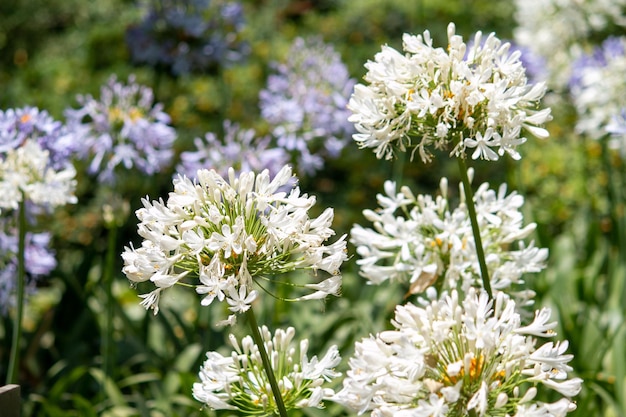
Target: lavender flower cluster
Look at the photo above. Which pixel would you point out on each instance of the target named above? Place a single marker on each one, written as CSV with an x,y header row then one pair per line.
x,y
598,92
189,36
39,257
305,102
122,127
18,125
239,148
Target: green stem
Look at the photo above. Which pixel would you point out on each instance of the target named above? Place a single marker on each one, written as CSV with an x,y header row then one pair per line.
x,y
615,188
107,282
21,280
256,335
398,167
471,209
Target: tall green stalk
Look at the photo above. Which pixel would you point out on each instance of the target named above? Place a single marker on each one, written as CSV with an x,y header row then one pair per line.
x,y
107,281
471,209
14,359
617,200
256,335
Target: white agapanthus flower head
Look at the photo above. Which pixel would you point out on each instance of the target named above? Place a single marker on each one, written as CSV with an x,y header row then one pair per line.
x,y
423,241
239,382
26,173
464,96
460,356
229,237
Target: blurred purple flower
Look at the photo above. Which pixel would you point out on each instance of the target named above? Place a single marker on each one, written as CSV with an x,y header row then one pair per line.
x,y
305,103
599,57
124,127
598,92
186,36
18,125
239,148
39,261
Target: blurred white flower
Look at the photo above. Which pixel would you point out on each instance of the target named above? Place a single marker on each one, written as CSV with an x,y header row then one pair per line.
x,y
26,173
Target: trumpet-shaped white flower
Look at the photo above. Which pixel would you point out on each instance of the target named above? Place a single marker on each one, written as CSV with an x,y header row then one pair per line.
x,y
455,356
465,96
423,241
239,382
224,236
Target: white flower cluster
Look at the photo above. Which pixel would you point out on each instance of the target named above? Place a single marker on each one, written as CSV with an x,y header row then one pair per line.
x,y
238,382
465,96
230,235
557,30
461,357
26,174
423,241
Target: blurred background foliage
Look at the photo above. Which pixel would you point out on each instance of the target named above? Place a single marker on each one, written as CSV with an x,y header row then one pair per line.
x,y
52,50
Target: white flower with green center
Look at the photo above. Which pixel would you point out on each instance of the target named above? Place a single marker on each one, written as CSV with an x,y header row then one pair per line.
x,y
227,237
26,174
460,357
238,382
464,96
423,241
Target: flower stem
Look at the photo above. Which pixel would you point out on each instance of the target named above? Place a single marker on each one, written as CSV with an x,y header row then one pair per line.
x,y
256,335
21,281
107,336
471,209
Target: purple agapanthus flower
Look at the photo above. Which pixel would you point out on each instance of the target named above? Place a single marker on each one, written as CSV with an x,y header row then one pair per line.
x,y
305,103
186,36
122,128
39,261
597,88
30,123
601,56
240,148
